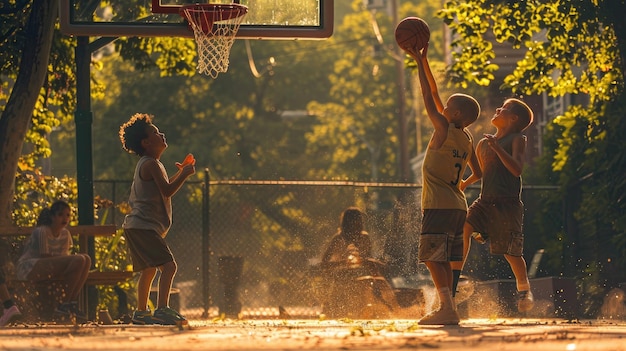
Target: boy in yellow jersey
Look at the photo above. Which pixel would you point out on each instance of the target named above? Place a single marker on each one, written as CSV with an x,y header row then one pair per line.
x,y
444,204
497,215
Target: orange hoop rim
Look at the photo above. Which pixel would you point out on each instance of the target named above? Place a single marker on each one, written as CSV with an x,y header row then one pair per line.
x,y
217,12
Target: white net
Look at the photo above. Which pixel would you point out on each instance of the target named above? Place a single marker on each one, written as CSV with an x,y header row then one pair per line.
x,y
214,29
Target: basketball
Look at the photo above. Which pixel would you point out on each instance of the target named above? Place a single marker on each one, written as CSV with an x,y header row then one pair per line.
x,y
412,33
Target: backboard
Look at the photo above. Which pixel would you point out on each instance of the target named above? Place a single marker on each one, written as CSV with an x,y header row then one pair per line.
x,y
266,19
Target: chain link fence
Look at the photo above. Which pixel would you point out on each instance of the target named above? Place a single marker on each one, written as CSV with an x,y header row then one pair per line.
x,y
260,240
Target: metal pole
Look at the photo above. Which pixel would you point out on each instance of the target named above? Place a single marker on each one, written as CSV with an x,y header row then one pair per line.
x,y
206,245
403,156
83,118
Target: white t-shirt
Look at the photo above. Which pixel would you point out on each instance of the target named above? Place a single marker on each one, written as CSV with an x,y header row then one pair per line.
x,y
42,243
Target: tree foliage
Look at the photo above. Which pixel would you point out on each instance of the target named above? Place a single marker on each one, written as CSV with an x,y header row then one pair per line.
x,y
574,48
37,80
26,43
357,134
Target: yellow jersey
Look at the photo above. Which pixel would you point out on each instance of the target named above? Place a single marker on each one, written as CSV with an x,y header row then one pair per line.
x,y
443,170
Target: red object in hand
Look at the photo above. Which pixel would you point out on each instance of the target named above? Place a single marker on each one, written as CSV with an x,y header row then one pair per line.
x,y
189,160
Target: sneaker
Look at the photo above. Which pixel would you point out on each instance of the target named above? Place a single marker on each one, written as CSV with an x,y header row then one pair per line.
x,y
10,315
70,309
66,309
440,317
168,316
525,301
142,317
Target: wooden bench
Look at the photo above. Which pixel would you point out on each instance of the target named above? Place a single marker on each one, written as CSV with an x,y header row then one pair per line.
x,y
83,232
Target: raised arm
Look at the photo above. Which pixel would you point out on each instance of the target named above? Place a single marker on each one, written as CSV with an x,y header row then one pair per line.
x,y
432,101
431,81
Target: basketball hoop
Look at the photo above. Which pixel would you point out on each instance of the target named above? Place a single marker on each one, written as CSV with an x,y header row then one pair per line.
x,y
214,27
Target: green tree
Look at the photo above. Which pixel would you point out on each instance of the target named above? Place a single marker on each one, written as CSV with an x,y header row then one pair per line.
x,y
356,133
38,77
35,21
232,124
576,48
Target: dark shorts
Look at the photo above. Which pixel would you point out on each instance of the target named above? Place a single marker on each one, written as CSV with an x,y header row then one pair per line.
x,y
147,249
441,239
499,221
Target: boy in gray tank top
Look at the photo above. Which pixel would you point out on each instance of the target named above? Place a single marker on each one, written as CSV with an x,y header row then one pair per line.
x,y
497,215
150,217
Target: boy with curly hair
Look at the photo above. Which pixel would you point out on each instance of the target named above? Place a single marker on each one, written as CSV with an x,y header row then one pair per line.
x,y
150,217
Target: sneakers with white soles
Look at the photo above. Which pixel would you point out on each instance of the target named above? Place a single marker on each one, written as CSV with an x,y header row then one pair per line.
x,y
525,301
440,317
168,316
142,317
10,315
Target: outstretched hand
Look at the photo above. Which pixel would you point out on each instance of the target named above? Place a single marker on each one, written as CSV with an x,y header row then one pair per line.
x,y
425,50
418,54
189,160
491,140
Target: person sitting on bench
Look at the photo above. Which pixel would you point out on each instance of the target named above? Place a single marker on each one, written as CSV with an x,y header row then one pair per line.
x,y
47,257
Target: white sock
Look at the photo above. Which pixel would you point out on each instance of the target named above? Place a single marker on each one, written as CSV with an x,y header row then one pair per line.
x,y
445,298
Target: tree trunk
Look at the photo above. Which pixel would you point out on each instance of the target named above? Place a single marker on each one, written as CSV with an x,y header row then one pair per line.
x,y
18,111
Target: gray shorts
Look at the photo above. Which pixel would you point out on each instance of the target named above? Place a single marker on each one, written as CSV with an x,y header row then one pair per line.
x,y
499,221
147,248
441,239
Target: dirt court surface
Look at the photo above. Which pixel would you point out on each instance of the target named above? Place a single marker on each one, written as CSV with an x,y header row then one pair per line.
x,y
471,334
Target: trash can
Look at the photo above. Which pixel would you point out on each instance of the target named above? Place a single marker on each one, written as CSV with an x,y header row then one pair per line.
x,y
230,269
